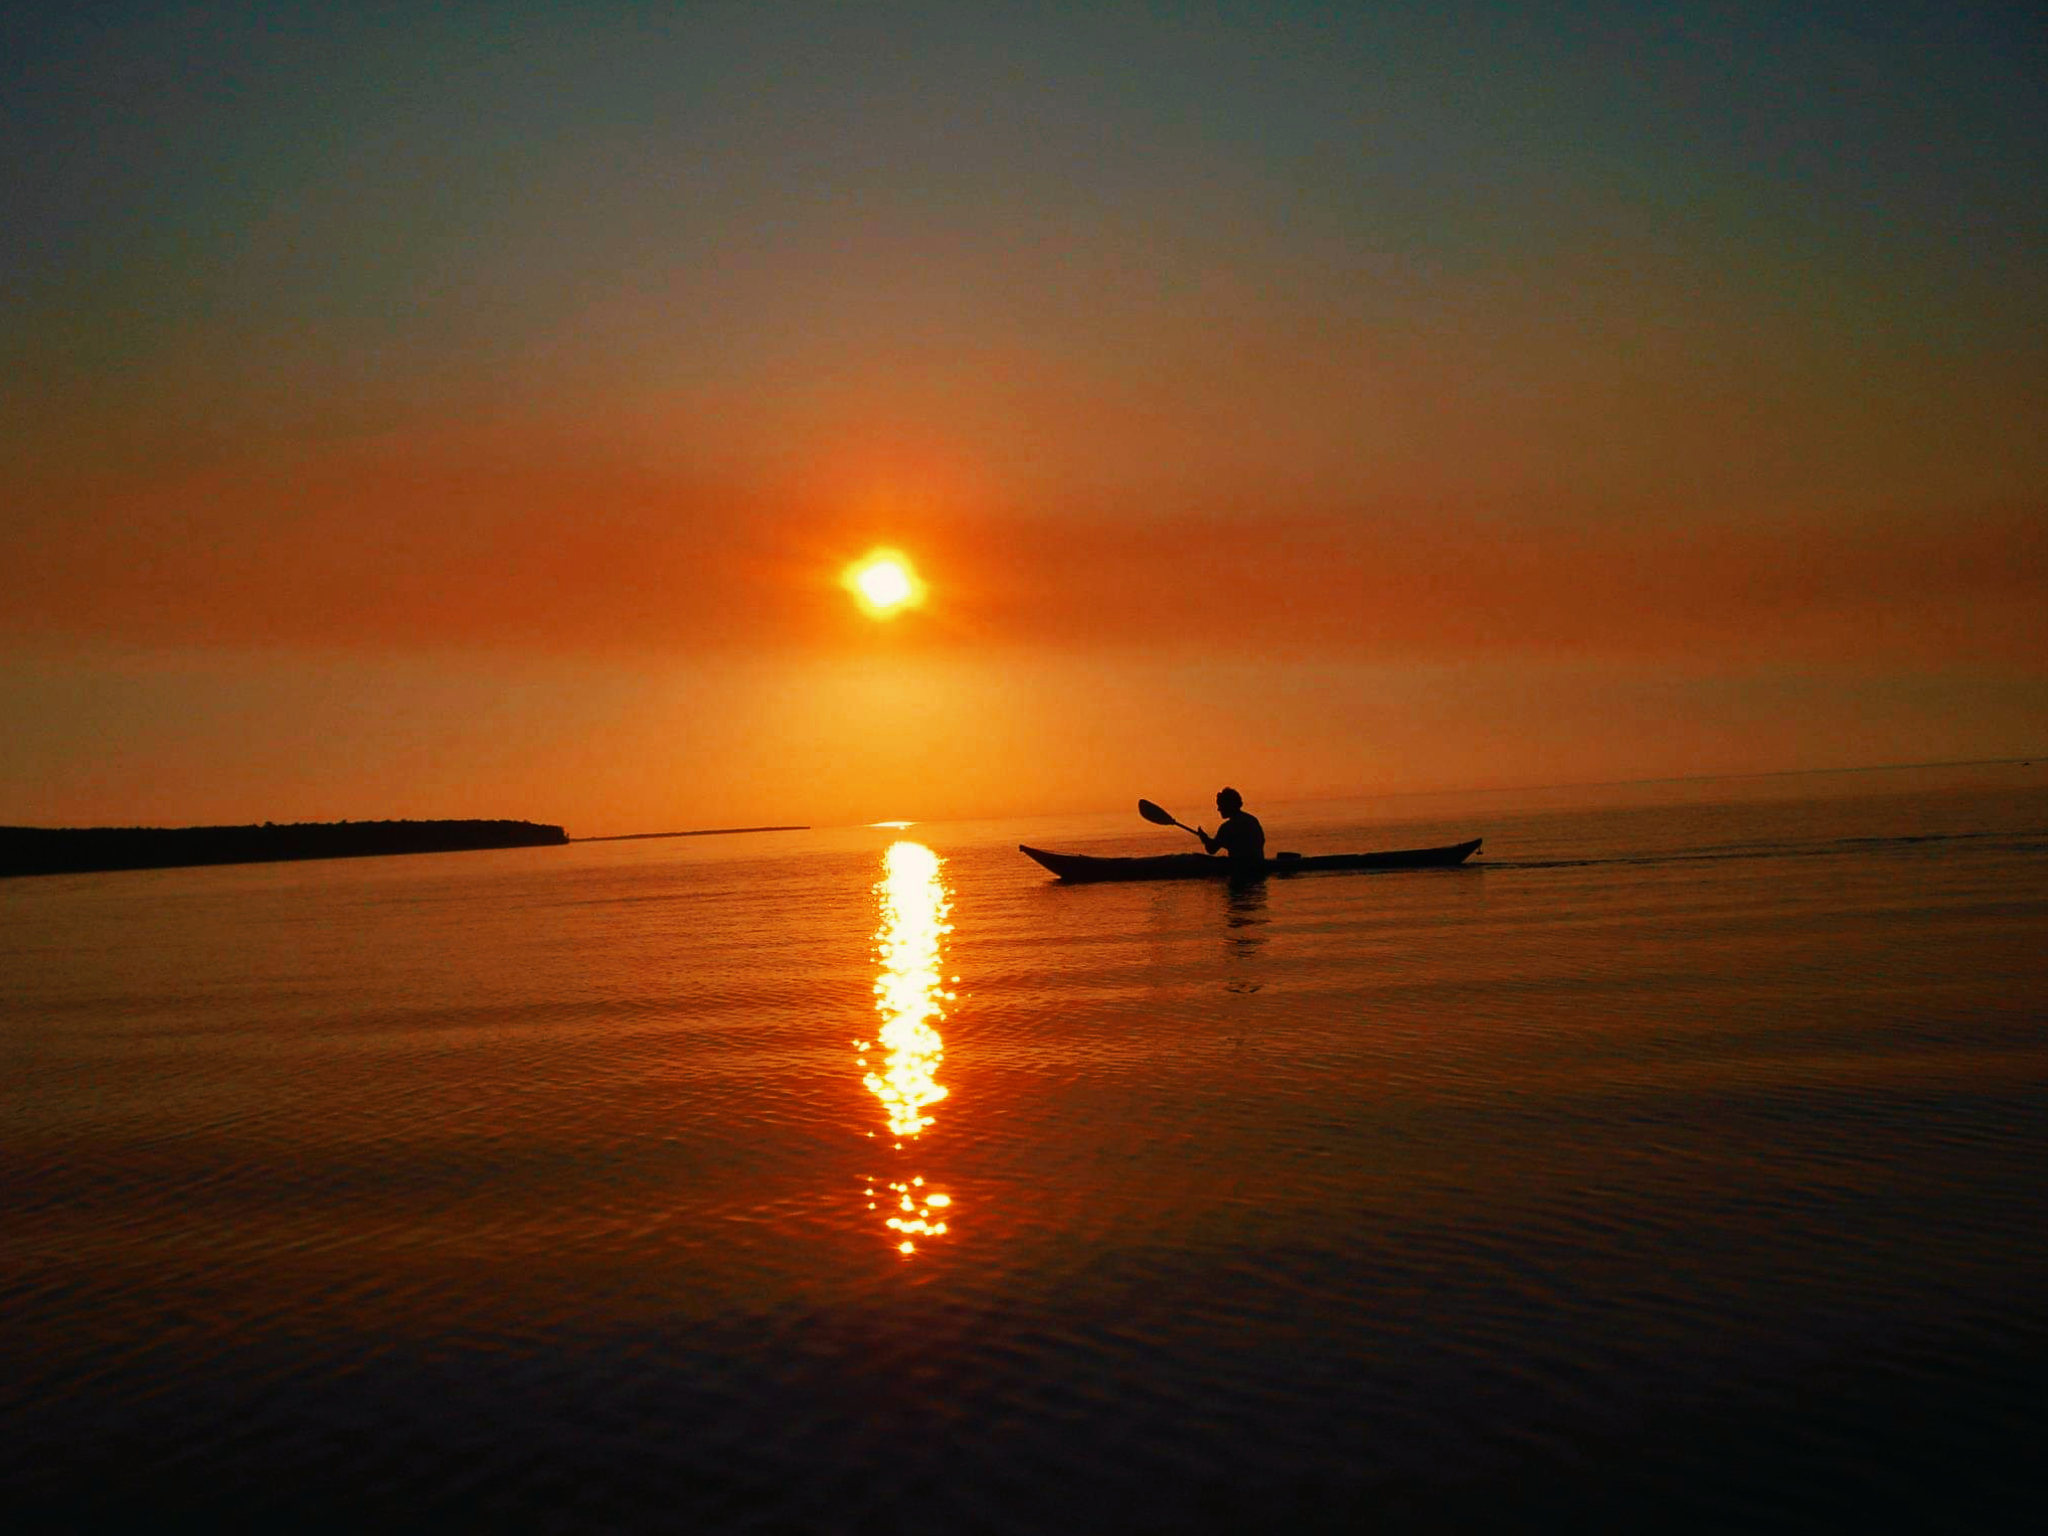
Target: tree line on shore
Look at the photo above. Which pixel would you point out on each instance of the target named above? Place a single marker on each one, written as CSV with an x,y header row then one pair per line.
x,y
77,850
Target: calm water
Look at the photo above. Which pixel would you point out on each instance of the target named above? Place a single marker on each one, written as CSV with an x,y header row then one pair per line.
x,y
1686,1161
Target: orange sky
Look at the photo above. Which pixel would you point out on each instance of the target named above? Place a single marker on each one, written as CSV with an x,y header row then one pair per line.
x,y
1269,417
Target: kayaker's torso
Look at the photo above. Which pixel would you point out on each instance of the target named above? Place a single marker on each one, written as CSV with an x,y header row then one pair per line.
x,y
1242,838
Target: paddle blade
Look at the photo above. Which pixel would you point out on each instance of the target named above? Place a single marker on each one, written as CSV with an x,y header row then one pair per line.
x,y
1155,815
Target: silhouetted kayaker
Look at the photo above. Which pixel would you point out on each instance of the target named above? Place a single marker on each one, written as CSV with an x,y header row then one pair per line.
x,y
1240,835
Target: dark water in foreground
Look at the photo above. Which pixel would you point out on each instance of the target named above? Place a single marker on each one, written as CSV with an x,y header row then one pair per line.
x,y
1684,1164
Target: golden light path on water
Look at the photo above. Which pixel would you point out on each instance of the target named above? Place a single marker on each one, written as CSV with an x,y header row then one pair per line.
x,y
908,994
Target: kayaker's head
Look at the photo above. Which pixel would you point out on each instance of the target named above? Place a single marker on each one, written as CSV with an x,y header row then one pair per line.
x,y
1228,801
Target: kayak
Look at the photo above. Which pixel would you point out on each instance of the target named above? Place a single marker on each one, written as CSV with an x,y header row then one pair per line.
x,y
1080,867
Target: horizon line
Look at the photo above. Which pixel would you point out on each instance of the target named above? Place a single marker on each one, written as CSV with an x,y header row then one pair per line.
x,y
628,837
1701,778
1508,789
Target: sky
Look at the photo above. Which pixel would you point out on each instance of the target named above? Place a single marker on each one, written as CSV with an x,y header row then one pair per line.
x,y
471,410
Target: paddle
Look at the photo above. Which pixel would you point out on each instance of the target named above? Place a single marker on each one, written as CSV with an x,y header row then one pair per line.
x,y
1160,818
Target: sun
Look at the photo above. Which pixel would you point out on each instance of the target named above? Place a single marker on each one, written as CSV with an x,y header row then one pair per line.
x,y
884,583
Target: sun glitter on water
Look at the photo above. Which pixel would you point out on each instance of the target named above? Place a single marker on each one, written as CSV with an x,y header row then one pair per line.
x,y
909,994
884,583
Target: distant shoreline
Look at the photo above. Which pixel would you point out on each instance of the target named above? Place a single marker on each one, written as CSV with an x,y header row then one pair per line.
x,y
96,850
629,837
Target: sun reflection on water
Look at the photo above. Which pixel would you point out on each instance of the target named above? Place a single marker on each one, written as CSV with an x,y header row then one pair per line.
x,y
909,994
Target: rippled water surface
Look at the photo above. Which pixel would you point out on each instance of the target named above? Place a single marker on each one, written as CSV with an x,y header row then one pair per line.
x,y
1683,1160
